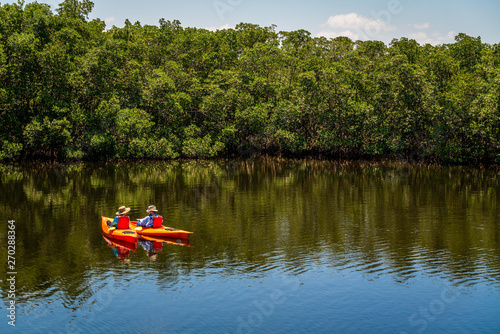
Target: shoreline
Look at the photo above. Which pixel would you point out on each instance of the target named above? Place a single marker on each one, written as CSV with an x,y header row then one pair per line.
x,y
383,160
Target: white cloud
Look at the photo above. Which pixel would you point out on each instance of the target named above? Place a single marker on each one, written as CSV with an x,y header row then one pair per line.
x,y
355,27
420,37
225,26
346,33
358,27
435,38
425,25
355,21
450,36
108,22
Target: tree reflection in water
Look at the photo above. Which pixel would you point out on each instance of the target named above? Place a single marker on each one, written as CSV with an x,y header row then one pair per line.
x,y
252,215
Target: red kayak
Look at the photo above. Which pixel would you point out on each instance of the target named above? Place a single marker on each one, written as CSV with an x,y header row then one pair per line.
x,y
121,232
158,230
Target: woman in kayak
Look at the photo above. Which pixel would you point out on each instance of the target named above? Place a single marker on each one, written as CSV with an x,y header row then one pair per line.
x,y
148,220
122,212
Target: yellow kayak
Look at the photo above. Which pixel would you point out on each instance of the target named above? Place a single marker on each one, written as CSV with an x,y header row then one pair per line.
x,y
159,231
125,234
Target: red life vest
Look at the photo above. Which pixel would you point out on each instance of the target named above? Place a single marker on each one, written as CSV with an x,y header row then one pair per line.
x,y
157,221
123,222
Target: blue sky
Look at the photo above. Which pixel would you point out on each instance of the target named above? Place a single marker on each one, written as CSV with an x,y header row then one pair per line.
x,y
427,21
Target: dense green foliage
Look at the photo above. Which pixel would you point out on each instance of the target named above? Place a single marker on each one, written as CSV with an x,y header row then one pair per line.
x,y
71,88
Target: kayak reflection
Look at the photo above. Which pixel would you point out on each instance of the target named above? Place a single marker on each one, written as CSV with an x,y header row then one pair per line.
x,y
167,240
154,245
121,248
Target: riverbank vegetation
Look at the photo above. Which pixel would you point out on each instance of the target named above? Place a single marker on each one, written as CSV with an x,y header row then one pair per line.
x,y
70,87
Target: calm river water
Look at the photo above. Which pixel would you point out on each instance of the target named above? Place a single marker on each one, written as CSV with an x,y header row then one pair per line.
x,y
279,246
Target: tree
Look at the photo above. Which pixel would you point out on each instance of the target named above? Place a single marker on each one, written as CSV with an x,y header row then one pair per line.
x,y
467,50
146,91
49,137
75,9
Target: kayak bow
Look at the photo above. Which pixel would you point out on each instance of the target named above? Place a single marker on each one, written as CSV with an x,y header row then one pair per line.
x,y
119,234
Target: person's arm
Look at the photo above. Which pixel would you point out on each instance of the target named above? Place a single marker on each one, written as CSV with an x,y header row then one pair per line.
x,y
148,222
143,221
115,222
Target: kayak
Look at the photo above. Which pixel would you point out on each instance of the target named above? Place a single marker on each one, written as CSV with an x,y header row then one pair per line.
x,y
161,231
118,234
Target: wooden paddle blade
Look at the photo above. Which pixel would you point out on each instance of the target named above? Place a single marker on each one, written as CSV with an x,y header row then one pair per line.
x,y
138,228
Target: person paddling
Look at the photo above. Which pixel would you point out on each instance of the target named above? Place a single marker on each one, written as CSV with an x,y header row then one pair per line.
x,y
148,220
122,212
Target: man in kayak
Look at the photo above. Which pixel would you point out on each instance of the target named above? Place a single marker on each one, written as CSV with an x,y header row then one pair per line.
x,y
122,212
148,220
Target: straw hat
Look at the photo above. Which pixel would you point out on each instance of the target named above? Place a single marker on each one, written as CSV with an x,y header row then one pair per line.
x,y
151,208
122,210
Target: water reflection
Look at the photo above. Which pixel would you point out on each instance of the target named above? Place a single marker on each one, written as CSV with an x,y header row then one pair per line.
x,y
256,216
121,249
157,242
153,245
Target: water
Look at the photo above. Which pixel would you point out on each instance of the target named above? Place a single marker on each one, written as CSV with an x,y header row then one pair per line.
x,y
279,246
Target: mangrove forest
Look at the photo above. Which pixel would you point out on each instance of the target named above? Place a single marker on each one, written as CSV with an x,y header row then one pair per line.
x,y
73,88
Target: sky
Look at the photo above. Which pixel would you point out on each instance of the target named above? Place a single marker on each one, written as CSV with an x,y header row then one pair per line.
x,y
426,21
